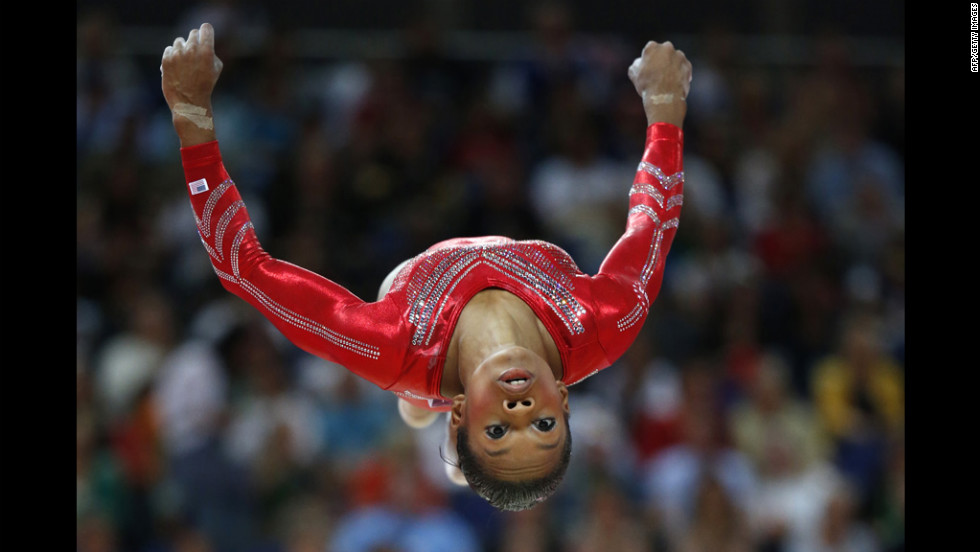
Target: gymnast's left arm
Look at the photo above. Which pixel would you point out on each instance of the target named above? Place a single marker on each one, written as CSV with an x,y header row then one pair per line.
x,y
629,278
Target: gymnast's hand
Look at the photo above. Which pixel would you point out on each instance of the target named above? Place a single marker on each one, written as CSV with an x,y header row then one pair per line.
x,y
190,70
662,77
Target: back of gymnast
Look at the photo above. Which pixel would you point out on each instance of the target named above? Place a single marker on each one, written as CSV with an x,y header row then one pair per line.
x,y
488,329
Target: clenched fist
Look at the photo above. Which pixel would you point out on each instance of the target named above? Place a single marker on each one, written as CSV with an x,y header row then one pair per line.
x,y
190,70
662,77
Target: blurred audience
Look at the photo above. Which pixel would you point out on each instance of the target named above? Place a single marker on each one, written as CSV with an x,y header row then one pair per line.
x,y
776,429
609,522
672,480
652,399
761,410
780,433
859,393
573,190
718,524
393,507
840,527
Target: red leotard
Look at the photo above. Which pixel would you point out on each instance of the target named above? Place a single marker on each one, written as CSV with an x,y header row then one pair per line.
x,y
399,342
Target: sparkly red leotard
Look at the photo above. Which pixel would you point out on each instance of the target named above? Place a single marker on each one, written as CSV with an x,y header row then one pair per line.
x,y
399,343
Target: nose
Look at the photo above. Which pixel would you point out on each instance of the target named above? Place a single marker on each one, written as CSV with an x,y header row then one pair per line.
x,y
519,406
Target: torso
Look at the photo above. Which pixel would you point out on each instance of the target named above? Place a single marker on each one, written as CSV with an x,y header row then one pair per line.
x,y
449,293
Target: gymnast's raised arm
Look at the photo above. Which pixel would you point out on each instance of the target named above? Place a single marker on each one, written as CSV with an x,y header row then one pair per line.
x,y
315,313
629,278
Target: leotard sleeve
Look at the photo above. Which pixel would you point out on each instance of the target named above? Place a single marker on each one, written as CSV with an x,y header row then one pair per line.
x,y
630,276
313,312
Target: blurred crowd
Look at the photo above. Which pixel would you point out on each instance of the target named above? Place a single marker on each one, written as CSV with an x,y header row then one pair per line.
x,y
761,410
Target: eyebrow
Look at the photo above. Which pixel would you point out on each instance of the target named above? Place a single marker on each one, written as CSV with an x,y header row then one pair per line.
x,y
506,450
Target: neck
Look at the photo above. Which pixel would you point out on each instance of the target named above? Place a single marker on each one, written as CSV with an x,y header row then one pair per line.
x,y
494,320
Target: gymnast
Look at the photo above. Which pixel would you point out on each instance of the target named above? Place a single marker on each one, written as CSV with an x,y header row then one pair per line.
x,y
488,330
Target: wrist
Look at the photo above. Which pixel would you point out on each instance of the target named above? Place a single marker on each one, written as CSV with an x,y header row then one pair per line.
x,y
664,108
192,132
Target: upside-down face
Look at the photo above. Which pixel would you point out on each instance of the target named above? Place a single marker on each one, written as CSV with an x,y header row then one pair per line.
x,y
513,409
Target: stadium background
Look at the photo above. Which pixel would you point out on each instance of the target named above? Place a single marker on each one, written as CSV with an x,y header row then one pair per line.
x,y
362,132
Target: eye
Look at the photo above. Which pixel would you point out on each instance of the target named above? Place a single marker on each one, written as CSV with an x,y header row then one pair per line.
x,y
545,424
496,431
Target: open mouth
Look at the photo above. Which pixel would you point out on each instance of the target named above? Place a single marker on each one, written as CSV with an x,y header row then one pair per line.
x,y
515,380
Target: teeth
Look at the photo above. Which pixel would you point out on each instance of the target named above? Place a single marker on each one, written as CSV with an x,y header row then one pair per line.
x,y
517,381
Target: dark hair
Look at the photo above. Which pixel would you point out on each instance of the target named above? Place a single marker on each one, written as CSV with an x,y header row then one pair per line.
x,y
510,495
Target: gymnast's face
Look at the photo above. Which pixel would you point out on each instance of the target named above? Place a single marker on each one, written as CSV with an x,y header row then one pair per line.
x,y
513,409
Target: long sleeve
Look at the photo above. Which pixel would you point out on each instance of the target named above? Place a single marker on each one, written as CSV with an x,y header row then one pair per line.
x,y
313,312
629,278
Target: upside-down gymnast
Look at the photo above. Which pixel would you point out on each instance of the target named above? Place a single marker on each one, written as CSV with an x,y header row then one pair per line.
x,y
488,329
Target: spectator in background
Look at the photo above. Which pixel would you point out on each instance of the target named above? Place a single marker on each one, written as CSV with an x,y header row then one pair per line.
x,y
889,511
393,507
772,425
791,240
672,479
303,209
799,295
651,387
859,395
191,540
124,369
274,431
718,524
780,433
393,181
304,524
710,147
354,417
107,87
101,491
182,537
757,167
190,394
855,182
129,360
528,531
840,528
559,71
211,499
488,161
717,63
609,522
575,193
96,533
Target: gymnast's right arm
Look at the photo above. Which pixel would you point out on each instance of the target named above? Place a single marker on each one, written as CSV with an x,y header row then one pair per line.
x,y
318,315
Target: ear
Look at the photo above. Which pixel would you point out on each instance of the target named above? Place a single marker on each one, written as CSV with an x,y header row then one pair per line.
x,y
456,414
563,391
450,442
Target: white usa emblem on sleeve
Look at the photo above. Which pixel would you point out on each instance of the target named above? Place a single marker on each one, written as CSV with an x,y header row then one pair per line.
x,y
199,186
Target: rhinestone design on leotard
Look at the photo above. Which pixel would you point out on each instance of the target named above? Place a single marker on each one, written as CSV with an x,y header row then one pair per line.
x,y
644,188
667,181
437,273
639,311
204,223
